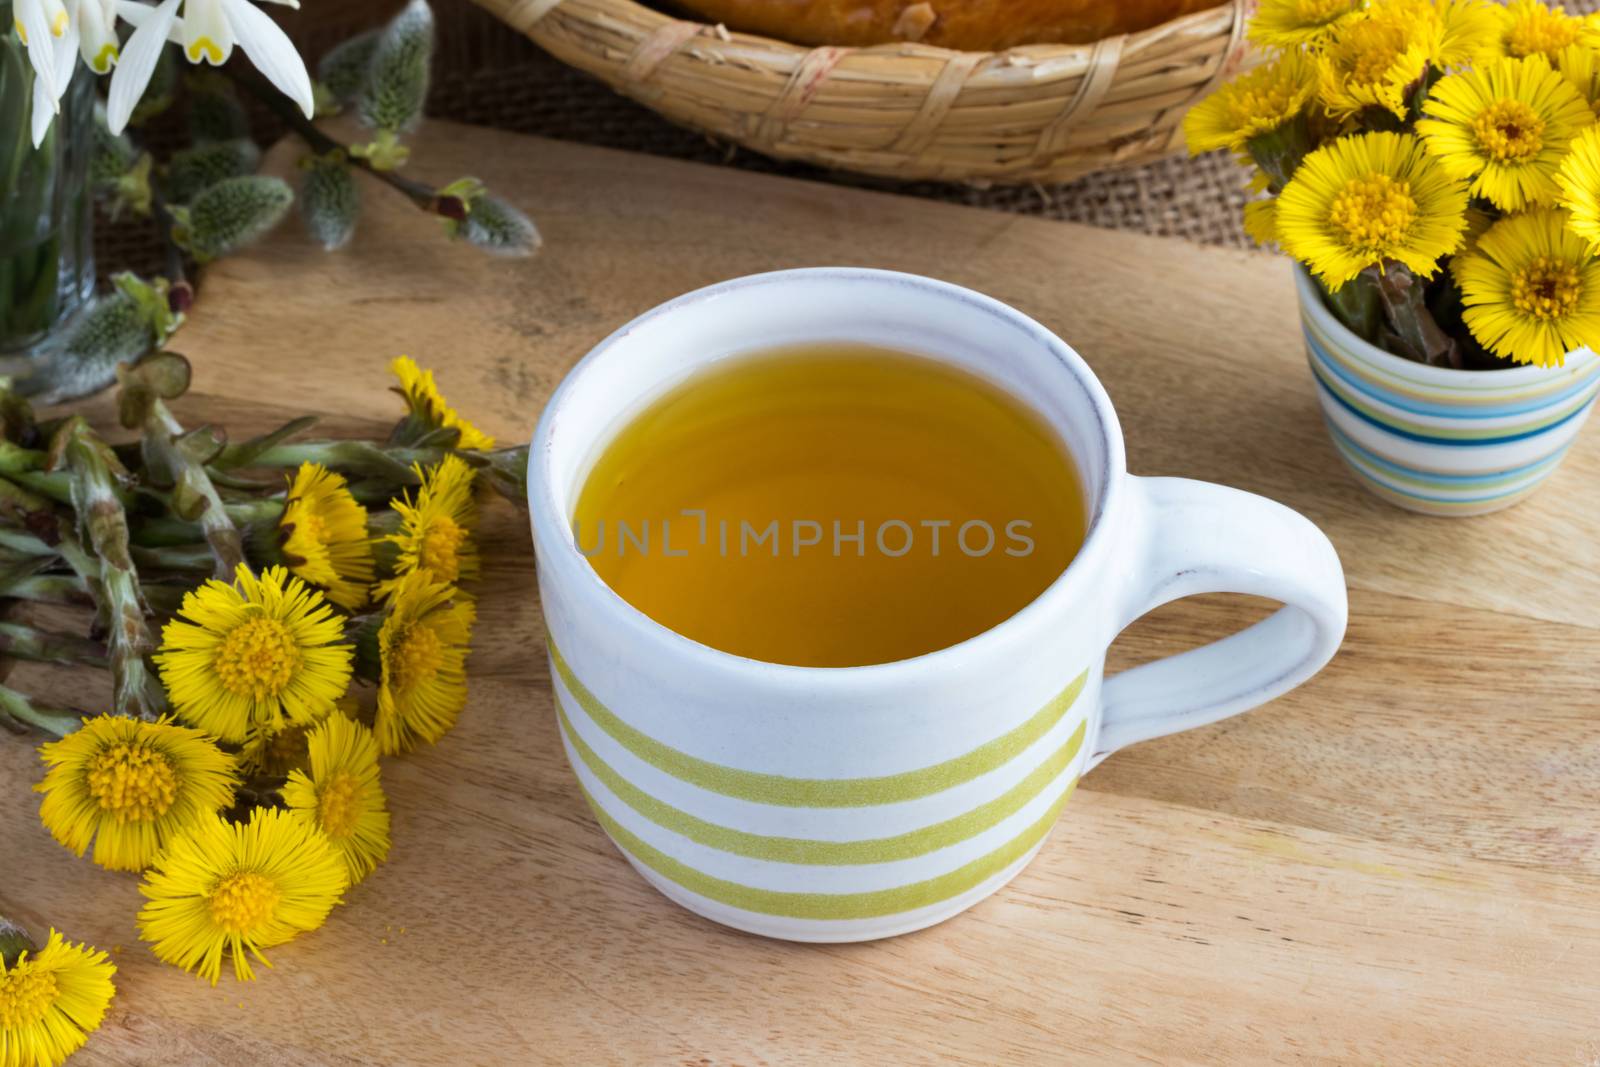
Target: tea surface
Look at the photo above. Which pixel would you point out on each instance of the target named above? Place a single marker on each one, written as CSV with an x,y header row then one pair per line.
x,y
831,505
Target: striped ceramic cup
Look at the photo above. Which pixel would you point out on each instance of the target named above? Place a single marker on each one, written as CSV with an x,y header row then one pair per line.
x,y
839,804
1438,440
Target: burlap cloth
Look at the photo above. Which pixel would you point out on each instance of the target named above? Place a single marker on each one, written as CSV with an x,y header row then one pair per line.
x,y
486,74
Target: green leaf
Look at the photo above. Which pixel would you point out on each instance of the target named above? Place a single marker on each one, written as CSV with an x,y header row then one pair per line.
x,y
245,453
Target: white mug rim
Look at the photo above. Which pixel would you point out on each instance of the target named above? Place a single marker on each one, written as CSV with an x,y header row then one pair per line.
x,y
568,562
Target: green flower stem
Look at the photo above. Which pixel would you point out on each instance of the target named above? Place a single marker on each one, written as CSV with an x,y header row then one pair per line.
x,y
29,468
424,196
66,589
186,557
69,590
23,544
172,532
1357,304
21,641
18,713
1405,306
363,458
90,461
506,469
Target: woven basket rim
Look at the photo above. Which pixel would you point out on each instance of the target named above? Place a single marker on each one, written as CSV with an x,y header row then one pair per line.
x,y
903,109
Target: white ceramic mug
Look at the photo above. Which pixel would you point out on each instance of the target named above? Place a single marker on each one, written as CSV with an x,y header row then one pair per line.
x,y
841,804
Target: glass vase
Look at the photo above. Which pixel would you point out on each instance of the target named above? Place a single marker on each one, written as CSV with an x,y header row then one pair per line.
x,y
46,210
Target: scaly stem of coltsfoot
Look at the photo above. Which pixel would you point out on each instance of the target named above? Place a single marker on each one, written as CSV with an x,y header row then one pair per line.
x,y
19,713
1406,306
193,490
95,470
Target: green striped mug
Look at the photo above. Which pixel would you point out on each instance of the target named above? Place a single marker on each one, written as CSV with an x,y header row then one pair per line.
x,y
843,804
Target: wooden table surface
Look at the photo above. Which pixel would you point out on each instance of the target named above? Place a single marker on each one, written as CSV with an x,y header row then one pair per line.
x,y
1398,863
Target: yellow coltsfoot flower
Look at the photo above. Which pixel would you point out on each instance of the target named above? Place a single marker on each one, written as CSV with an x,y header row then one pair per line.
x,y
236,888
1257,102
129,786
1531,288
1530,28
422,648
1505,126
436,528
429,407
342,795
1289,24
50,1001
1579,181
254,656
1580,65
1469,30
1372,58
1261,221
1366,199
323,536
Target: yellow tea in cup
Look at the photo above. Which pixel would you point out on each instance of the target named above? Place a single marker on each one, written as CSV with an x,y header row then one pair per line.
x,y
830,506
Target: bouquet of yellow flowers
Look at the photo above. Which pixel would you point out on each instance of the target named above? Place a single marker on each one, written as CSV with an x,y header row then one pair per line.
x,y
1434,164
272,617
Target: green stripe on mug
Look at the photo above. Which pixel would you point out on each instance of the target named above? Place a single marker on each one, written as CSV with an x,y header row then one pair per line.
x,y
824,906
827,853
784,791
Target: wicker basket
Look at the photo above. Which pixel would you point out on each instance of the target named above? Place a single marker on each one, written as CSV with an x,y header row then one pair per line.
x,y
1035,113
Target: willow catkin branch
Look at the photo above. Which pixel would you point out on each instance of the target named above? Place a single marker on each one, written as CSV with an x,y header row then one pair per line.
x,y
90,462
189,476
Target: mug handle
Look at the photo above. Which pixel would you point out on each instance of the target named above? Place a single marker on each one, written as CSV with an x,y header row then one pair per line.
x,y
1194,537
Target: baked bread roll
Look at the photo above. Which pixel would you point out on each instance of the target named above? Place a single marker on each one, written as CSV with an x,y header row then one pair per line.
x,y
966,25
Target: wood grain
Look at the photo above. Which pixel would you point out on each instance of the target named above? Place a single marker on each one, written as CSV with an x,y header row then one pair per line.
x,y
1398,863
